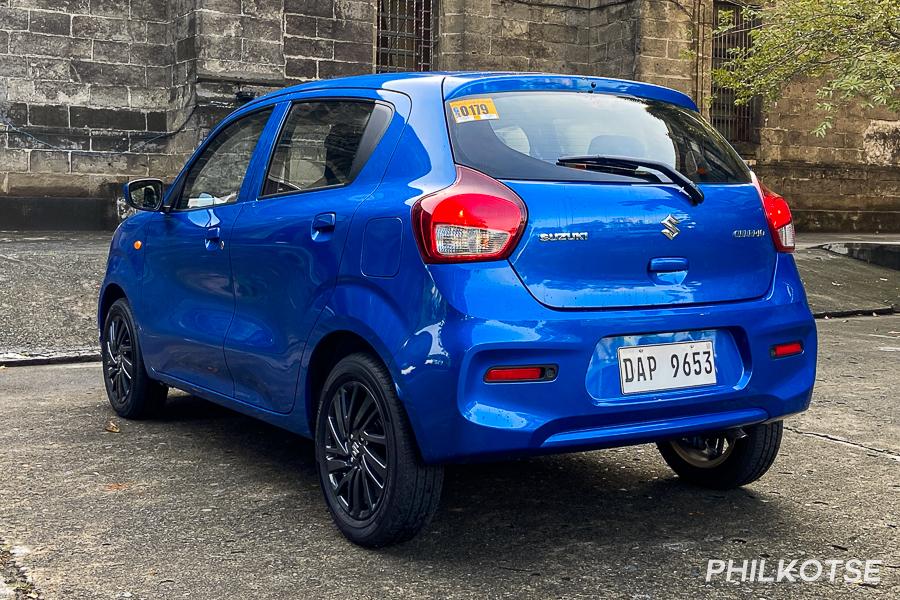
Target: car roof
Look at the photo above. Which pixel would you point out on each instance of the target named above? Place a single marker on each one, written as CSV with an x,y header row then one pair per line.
x,y
456,84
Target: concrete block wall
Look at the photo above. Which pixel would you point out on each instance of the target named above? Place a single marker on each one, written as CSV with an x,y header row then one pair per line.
x,y
595,37
615,38
848,180
84,87
675,46
96,92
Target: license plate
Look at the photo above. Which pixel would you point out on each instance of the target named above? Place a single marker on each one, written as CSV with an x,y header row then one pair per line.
x,y
666,366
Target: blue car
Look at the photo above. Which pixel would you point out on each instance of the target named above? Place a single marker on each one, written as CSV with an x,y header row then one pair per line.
x,y
432,268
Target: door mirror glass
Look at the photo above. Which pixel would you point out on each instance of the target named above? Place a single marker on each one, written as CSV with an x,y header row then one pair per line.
x,y
144,194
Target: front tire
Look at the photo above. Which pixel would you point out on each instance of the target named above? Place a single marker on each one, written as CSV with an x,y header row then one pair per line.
x,y
375,484
724,461
131,391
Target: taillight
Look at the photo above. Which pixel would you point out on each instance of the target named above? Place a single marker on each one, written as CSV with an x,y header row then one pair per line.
x,y
476,218
778,214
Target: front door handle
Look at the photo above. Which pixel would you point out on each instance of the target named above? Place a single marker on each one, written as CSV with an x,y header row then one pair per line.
x,y
324,222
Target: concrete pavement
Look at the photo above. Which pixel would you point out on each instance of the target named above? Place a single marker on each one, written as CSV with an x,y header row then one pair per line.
x,y
205,503
48,291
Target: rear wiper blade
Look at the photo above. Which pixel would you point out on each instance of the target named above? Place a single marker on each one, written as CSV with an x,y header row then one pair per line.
x,y
626,162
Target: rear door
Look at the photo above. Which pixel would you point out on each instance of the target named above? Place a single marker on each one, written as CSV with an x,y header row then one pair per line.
x,y
287,244
188,296
615,238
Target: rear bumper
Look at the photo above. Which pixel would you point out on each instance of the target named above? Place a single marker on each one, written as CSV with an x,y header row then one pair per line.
x,y
459,417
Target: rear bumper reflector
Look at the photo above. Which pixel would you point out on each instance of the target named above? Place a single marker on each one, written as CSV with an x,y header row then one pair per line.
x,y
514,374
788,349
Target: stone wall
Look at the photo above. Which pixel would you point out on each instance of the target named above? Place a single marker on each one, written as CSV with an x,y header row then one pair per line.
x,y
95,92
589,37
675,46
84,84
848,180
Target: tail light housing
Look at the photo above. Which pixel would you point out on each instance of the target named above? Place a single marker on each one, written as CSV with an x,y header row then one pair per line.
x,y
475,219
778,214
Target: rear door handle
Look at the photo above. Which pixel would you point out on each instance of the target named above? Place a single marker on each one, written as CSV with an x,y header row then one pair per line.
x,y
324,222
214,238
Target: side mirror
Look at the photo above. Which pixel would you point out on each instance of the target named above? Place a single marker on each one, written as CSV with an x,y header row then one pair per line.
x,y
144,194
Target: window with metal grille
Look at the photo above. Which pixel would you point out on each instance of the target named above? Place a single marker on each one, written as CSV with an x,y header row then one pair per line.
x,y
405,35
738,123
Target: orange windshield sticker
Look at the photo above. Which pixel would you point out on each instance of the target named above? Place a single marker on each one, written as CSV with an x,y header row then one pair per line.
x,y
473,109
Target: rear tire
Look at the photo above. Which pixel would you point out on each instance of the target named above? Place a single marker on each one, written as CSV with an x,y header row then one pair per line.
x,y
375,484
131,391
744,461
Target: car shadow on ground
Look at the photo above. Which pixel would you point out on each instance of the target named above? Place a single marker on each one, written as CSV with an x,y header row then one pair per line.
x,y
624,498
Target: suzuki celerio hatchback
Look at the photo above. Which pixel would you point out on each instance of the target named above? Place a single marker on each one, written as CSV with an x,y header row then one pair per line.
x,y
428,268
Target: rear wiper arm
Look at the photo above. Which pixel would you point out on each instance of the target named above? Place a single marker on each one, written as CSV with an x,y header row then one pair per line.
x,y
625,162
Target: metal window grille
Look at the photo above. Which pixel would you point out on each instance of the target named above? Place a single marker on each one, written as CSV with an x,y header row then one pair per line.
x,y
406,31
739,124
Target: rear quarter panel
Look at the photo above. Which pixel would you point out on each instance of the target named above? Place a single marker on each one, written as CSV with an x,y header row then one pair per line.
x,y
391,309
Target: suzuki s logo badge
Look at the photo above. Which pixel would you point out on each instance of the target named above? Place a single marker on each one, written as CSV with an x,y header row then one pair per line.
x,y
564,236
670,224
748,233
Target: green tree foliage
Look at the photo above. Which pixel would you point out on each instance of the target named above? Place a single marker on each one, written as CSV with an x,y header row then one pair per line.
x,y
852,47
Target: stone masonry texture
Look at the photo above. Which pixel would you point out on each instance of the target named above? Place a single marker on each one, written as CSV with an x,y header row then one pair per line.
x,y
96,92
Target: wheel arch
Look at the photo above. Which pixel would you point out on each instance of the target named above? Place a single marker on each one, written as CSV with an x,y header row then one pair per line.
x,y
327,352
111,292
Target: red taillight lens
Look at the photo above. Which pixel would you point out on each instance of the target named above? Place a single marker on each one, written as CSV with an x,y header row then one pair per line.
x,y
778,214
476,218
789,349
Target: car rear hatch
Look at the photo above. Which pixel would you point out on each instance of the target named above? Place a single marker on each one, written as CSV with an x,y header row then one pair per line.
x,y
601,235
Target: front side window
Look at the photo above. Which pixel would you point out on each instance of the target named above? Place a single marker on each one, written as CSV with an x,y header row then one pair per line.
x,y
216,176
522,135
319,146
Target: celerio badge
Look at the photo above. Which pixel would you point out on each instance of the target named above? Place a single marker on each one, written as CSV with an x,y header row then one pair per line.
x,y
749,233
670,224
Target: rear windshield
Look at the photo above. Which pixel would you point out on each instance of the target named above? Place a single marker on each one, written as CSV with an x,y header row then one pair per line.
x,y
521,135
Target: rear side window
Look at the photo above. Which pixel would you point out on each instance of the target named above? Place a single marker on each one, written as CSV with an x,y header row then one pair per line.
x,y
324,144
521,135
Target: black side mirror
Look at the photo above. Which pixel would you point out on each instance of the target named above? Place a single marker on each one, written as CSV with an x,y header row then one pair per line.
x,y
144,194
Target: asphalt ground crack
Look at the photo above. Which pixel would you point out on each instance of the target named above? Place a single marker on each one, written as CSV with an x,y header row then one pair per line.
x,y
839,440
15,584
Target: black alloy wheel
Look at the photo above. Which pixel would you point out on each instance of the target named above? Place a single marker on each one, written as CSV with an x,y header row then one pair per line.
x,y
118,360
132,393
356,450
376,485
